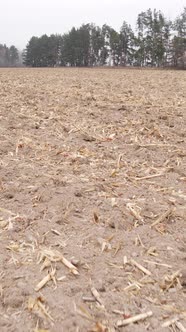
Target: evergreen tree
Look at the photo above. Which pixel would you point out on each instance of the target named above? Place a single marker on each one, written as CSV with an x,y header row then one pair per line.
x,y
127,40
96,56
179,41
9,57
112,44
13,56
43,51
153,38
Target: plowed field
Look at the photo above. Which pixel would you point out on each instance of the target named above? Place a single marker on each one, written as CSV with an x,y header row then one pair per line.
x,y
92,200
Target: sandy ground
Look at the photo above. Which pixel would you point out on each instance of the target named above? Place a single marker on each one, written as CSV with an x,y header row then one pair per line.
x,y
92,200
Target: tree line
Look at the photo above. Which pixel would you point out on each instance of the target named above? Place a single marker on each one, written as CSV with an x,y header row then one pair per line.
x,y
156,42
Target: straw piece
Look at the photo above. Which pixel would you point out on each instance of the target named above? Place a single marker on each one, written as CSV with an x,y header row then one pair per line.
x,y
45,280
149,177
180,326
158,264
134,212
170,322
140,267
134,319
68,264
97,296
161,218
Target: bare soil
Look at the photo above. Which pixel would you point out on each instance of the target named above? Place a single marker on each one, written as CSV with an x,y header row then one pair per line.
x,y
92,200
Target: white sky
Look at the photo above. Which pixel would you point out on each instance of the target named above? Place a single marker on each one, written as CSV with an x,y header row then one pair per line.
x,y
21,19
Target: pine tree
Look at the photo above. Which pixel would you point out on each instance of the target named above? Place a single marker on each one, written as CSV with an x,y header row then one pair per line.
x,y
179,41
127,41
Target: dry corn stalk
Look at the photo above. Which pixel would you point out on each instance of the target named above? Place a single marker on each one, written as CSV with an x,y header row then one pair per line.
x,y
180,326
134,319
37,306
170,322
56,256
161,218
135,211
97,296
171,281
45,280
140,267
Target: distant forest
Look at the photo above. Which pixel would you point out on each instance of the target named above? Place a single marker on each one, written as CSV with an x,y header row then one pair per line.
x,y
156,42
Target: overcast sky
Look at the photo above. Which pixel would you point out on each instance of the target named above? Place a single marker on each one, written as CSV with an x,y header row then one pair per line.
x,y
21,19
